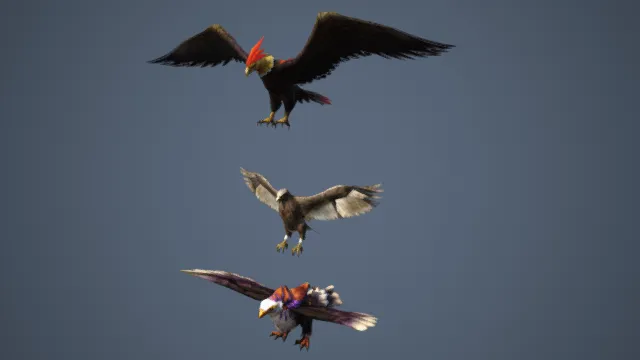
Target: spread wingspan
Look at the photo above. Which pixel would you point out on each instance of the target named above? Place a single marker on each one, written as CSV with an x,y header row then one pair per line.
x,y
336,38
354,320
261,188
321,306
212,46
241,284
340,201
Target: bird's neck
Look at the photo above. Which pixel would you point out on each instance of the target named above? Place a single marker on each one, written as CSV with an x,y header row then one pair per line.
x,y
264,65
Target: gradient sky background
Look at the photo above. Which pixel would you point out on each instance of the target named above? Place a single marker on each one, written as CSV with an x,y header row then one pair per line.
x,y
508,229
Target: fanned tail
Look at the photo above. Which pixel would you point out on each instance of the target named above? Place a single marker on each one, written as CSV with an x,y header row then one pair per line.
x,y
326,297
307,96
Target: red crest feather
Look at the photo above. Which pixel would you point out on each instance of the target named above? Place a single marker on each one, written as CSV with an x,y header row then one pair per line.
x,y
256,53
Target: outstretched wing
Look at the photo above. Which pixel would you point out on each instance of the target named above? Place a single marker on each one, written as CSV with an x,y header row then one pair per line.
x,y
339,202
354,320
336,38
261,187
208,48
241,284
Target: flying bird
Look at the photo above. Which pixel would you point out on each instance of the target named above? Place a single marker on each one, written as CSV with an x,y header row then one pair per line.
x,y
334,39
340,201
289,308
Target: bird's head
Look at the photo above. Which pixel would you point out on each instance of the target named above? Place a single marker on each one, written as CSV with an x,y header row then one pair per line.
x,y
267,306
282,194
258,60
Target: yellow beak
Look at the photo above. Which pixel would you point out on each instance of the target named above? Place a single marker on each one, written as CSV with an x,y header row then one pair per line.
x,y
247,71
261,313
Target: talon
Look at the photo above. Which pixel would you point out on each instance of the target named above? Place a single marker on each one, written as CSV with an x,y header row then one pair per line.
x,y
276,335
282,246
268,120
284,121
297,250
304,343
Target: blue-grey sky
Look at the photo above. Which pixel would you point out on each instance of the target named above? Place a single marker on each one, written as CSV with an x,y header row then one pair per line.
x,y
508,229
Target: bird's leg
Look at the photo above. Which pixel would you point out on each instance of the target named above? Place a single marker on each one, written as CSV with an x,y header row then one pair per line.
x,y
284,121
304,342
297,250
276,335
268,120
283,245
302,231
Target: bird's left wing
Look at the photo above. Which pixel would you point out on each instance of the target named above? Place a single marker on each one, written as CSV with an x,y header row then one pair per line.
x,y
336,38
339,202
261,187
210,47
354,320
241,284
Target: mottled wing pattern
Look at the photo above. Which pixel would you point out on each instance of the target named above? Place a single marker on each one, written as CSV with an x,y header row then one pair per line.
x,y
241,284
354,320
339,202
261,187
336,38
326,297
208,48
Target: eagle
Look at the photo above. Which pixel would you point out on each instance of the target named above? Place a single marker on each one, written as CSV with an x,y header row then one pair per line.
x,y
338,202
289,308
334,39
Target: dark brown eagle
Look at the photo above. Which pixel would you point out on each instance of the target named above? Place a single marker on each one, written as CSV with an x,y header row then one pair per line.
x,y
340,201
289,308
335,38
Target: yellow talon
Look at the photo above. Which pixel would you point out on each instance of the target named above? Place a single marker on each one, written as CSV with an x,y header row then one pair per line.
x,y
282,246
284,121
297,250
268,120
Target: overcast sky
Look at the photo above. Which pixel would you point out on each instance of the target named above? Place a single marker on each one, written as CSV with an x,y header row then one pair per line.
x,y
508,227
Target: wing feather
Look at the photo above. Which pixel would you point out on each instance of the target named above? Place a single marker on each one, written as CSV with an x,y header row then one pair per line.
x,y
354,320
241,284
337,38
261,187
340,201
210,47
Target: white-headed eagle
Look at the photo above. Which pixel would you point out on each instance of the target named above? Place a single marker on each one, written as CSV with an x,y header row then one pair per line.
x,y
340,201
289,308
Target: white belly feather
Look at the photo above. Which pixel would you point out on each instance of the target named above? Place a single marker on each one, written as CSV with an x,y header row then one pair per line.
x,y
284,322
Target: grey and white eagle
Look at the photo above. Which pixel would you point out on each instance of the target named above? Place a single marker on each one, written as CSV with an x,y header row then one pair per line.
x,y
340,201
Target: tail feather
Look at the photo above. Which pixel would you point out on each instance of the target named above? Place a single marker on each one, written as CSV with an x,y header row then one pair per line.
x,y
326,297
307,96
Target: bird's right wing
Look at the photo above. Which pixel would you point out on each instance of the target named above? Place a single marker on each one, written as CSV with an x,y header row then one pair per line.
x,y
340,201
241,284
210,47
261,187
336,38
354,320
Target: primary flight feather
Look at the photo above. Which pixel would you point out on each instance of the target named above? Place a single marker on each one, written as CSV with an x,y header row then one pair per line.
x,y
334,39
340,201
290,308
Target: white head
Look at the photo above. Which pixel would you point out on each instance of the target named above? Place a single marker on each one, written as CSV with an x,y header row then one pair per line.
x,y
268,306
281,193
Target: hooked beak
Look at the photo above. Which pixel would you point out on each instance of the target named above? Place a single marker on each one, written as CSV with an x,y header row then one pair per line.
x,y
261,313
247,71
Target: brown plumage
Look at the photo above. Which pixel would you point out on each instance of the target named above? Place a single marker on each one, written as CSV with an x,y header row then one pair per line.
x,y
340,201
334,39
